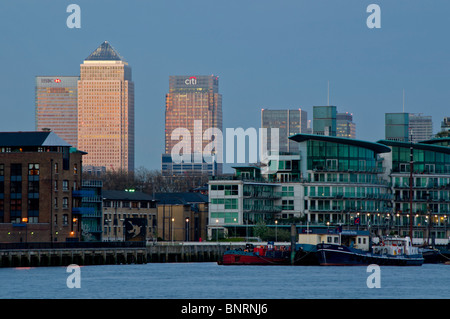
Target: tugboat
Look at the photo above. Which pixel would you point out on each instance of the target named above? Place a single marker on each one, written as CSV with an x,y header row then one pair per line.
x,y
391,251
261,255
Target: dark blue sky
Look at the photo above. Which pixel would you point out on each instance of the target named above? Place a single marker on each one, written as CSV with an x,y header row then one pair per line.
x,y
267,54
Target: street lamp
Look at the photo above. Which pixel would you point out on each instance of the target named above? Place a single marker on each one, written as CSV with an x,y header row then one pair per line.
x,y
25,221
276,235
187,228
173,219
217,230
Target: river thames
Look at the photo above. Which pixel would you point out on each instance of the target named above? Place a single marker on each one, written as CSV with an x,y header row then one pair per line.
x,y
212,281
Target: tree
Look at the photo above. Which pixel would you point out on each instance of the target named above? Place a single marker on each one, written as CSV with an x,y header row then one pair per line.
x,y
442,134
148,181
266,233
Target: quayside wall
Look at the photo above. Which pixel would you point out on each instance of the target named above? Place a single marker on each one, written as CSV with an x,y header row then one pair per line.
x,y
42,256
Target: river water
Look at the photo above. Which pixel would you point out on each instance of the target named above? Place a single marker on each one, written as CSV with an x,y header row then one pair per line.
x,y
212,281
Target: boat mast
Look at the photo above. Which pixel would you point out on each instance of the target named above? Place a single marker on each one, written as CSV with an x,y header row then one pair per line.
x,y
411,165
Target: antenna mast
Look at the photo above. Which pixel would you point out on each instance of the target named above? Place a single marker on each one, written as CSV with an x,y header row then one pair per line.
x,y
328,95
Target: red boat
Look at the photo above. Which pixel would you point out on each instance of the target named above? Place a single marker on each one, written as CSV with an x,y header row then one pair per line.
x,y
257,255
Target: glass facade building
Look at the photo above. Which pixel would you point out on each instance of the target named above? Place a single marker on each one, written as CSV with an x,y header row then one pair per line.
x,y
324,120
397,127
56,106
421,127
106,110
345,127
193,104
425,192
289,122
345,182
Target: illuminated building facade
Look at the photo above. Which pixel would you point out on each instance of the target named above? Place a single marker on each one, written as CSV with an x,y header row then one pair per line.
x,y
56,106
106,110
191,101
345,127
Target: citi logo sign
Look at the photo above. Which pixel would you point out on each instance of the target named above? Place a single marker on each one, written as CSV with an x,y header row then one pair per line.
x,y
191,81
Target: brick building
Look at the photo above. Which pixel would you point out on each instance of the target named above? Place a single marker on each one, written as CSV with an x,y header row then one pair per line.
x,y
38,173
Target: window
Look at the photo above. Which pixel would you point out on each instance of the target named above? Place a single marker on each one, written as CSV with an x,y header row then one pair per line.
x,y
33,204
404,167
2,169
16,187
56,168
75,169
287,205
16,205
16,169
65,219
65,202
332,164
65,185
33,169
33,187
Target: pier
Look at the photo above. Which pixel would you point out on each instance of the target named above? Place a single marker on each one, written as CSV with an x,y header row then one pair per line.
x,y
153,253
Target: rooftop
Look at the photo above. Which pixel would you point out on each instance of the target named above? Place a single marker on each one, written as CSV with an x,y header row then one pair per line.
x,y
418,146
105,52
32,138
127,196
376,147
186,198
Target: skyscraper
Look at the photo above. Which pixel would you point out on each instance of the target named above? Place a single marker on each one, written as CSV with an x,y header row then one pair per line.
x,y
397,127
289,122
56,106
421,127
324,120
345,127
408,127
192,100
106,110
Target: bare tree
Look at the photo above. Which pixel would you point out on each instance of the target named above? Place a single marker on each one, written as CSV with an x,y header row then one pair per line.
x,y
148,181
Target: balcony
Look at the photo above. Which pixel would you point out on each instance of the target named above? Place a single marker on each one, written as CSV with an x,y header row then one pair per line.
x,y
84,210
263,209
83,193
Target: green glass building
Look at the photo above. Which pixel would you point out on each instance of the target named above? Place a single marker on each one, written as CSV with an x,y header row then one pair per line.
x,y
324,120
430,188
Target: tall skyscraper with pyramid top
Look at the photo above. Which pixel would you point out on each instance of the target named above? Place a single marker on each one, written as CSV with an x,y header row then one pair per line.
x,y
106,110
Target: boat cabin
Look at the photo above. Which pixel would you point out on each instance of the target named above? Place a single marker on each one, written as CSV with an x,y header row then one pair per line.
x,y
351,238
395,246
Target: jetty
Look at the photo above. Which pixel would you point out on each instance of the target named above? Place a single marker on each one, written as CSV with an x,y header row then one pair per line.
x,y
64,254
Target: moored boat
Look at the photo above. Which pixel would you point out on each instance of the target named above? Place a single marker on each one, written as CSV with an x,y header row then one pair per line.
x,y
391,251
260,255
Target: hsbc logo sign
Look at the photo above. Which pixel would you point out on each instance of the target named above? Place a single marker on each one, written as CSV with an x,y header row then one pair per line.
x,y
191,81
50,80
